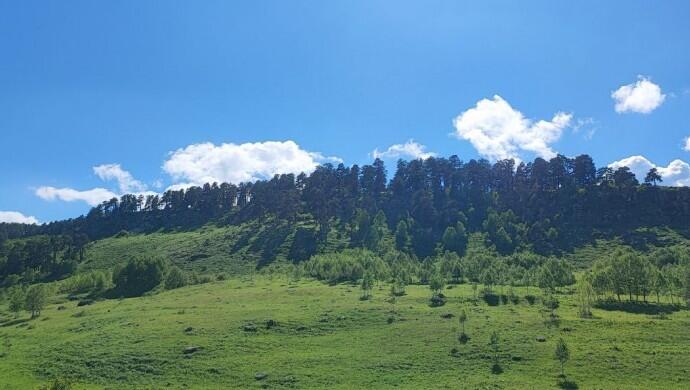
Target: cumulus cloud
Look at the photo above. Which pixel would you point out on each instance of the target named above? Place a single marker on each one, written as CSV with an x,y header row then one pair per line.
x,y
409,149
17,217
498,131
686,146
93,196
207,163
677,173
642,96
124,179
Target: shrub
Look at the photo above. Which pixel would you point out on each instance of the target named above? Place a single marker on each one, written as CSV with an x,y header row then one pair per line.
x,y
58,384
348,265
175,279
94,281
16,300
437,300
398,288
139,275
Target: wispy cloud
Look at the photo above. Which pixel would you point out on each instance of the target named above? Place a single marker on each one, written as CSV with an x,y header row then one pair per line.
x,y
410,149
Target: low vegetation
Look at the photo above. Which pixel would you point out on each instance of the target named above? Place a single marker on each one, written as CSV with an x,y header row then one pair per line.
x,y
309,334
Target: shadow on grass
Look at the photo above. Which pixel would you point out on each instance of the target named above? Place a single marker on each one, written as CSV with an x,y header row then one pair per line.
x,y
637,307
464,338
15,321
496,369
567,384
492,299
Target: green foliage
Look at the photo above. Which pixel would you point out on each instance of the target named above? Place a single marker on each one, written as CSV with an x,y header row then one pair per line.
x,y
495,347
562,354
454,239
462,318
367,285
139,275
585,297
333,322
58,384
175,278
437,283
88,282
403,242
555,273
36,299
349,265
398,287
629,273
16,300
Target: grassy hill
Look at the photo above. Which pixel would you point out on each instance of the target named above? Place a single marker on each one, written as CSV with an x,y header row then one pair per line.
x,y
325,337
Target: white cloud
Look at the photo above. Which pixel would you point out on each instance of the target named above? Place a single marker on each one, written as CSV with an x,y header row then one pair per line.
x,y
409,149
686,147
127,184
643,96
207,163
498,131
93,196
586,126
17,217
677,173
124,179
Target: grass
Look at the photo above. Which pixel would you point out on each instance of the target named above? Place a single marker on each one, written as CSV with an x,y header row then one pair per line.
x,y
326,337
209,249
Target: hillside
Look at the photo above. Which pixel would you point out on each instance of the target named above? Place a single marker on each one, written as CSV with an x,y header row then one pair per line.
x,y
327,337
321,281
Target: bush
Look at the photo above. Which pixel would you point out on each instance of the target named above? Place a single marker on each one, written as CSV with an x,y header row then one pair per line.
x,y
348,265
437,301
16,300
94,281
139,275
175,279
58,384
195,278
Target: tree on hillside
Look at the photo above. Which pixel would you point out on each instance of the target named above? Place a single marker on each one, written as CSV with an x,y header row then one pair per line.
x,y
36,298
585,297
653,177
139,275
403,242
494,345
686,281
437,283
462,318
367,285
562,354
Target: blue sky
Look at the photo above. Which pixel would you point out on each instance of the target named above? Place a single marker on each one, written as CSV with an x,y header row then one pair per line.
x,y
157,94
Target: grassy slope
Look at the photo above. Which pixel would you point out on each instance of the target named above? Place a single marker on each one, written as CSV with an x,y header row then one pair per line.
x,y
346,343
237,249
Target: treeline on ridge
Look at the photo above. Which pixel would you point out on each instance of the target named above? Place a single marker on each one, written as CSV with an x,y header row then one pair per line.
x,y
545,207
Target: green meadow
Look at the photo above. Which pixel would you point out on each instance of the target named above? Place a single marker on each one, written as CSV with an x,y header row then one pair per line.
x,y
277,333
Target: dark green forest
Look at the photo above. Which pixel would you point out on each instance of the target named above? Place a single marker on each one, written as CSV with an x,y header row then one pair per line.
x,y
427,207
